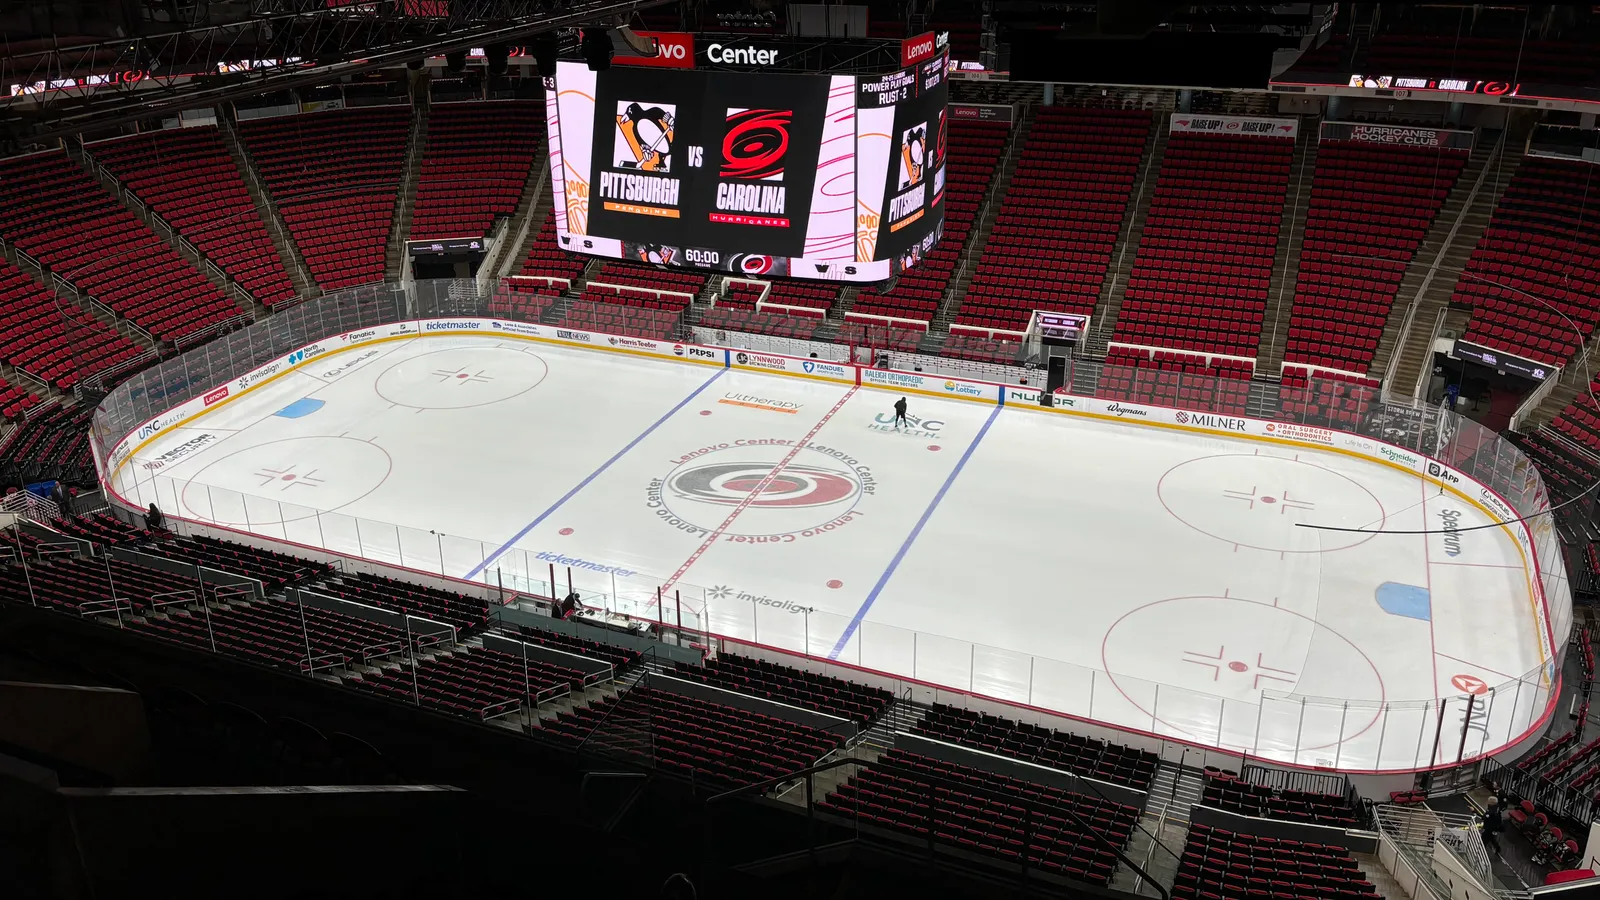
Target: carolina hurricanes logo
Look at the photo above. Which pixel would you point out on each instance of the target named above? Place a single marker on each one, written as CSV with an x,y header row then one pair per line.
x,y
756,142
752,264
796,487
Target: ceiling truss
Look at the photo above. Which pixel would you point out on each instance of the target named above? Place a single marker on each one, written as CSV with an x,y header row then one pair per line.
x,y
153,74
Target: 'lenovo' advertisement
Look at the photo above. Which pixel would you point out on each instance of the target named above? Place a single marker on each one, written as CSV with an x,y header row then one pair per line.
x,y
674,50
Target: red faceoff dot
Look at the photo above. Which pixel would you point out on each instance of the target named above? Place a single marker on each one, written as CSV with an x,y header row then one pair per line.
x,y
1237,666
835,583
705,412
1269,499
564,531
935,447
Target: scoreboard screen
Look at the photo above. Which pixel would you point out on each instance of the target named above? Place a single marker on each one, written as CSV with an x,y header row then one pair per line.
x,y
828,177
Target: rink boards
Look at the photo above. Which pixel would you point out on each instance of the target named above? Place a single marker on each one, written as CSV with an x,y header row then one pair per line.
x,y
1457,484
1450,480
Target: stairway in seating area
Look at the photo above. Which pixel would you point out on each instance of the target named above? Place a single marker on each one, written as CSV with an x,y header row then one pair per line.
x,y
1127,248
305,286
1406,348
993,199
394,258
1286,264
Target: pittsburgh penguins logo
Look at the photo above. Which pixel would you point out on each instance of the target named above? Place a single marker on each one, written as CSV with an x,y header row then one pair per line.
x,y
645,137
913,155
656,254
754,484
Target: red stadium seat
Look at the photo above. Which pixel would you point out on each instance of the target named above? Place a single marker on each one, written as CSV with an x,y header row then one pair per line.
x,y
1063,211
1199,283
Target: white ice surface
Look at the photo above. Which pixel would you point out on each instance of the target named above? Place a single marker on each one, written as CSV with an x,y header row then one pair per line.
x,y
1147,578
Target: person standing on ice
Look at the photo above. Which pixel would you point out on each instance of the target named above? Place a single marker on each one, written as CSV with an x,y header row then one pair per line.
x,y
900,413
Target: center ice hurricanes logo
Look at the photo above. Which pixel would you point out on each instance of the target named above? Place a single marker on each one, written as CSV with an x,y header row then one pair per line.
x,y
735,483
761,491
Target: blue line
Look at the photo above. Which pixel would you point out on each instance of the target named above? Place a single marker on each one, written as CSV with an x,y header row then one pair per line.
x,y
911,539
477,570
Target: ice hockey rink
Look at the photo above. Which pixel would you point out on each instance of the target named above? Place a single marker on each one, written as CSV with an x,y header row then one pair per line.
x,y
1152,579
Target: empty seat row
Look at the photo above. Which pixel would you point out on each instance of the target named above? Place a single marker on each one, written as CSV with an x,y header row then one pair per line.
x,y
436,604
1056,229
279,634
1178,379
1224,865
1036,744
273,569
188,177
1533,281
335,177
785,684
51,443
982,812
52,339
476,683
1229,792
54,210
1199,282
477,159
693,738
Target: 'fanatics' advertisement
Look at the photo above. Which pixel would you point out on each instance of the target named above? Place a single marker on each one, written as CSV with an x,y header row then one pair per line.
x,y
750,173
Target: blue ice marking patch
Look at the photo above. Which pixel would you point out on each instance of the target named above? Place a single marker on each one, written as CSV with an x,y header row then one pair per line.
x,y
1406,600
299,409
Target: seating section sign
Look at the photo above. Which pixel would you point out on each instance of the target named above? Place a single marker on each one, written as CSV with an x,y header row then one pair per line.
x,y
1397,136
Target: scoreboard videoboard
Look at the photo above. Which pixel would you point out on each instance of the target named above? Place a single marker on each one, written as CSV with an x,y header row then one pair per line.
x,y
829,177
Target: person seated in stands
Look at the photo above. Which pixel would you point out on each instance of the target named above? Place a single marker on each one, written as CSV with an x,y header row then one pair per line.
x,y
154,520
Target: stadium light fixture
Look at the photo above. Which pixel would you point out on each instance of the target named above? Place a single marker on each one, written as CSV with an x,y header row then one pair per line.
x,y
597,50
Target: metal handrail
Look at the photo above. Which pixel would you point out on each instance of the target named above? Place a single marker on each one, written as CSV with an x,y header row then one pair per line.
x,y
553,692
54,548
503,708
644,679
378,651
1438,261
114,604
1415,830
314,663
1157,123
186,596
231,591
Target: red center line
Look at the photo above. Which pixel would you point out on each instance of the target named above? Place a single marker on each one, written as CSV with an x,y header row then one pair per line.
x,y
755,492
